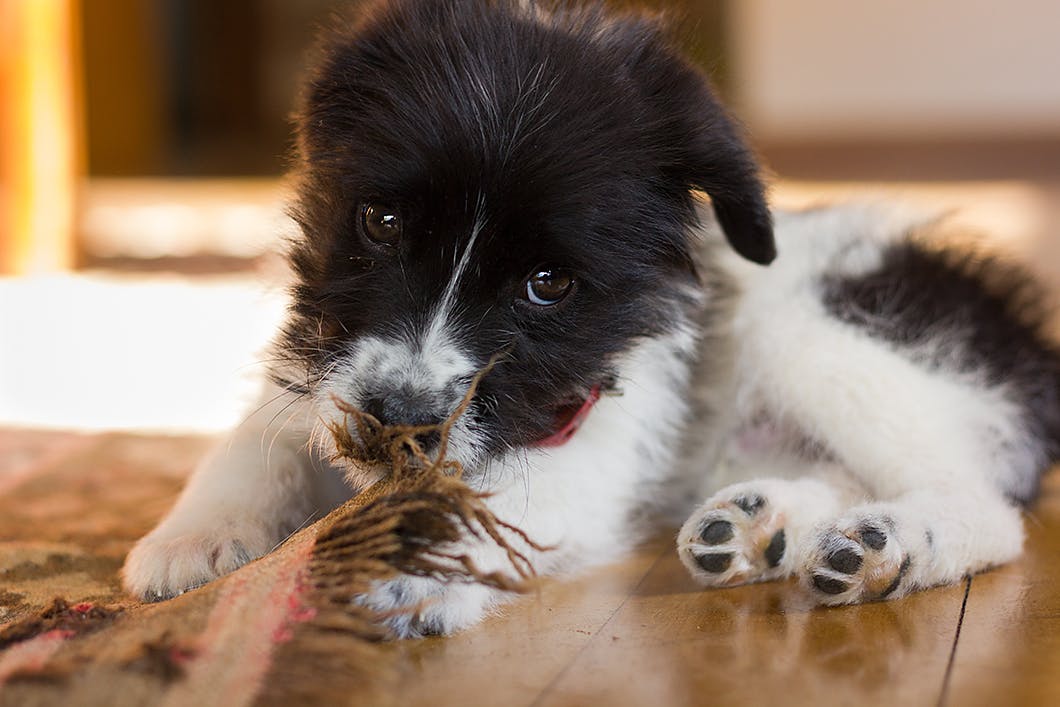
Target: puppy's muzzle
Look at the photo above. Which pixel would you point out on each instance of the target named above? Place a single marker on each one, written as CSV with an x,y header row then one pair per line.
x,y
409,409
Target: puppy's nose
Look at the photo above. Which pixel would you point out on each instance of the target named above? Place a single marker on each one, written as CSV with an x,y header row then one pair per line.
x,y
402,408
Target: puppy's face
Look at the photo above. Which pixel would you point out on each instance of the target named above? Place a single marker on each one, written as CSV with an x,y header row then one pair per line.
x,y
479,179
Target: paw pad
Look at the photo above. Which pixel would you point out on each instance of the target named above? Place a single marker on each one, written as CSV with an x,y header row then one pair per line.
x,y
873,537
717,532
733,539
846,560
775,550
715,562
902,569
856,561
750,504
829,585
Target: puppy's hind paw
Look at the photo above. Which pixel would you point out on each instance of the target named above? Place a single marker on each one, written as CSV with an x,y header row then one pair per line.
x,y
163,566
734,538
856,559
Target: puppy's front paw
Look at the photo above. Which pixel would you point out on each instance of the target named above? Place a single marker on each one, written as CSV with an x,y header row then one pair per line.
x,y
165,564
421,606
734,538
858,558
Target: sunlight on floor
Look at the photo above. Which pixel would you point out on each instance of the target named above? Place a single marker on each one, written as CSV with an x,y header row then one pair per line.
x,y
147,353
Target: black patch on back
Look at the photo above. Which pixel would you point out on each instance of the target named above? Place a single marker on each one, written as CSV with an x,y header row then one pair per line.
x,y
973,313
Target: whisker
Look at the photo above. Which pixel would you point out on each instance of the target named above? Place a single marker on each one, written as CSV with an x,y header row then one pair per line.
x,y
268,453
304,523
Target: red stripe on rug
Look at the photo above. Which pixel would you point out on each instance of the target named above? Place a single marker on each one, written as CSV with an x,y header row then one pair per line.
x,y
32,654
256,609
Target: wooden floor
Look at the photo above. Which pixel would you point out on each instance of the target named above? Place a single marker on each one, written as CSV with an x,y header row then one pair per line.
x,y
641,633
638,632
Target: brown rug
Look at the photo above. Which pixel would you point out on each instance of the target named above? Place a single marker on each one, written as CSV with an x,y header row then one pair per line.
x,y
274,632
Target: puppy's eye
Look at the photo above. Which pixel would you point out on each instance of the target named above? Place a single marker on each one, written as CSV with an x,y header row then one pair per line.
x,y
548,286
381,223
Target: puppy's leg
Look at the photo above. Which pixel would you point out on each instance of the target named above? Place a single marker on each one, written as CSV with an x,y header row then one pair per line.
x,y
425,606
582,512
920,539
255,489
429,606
939,451
753,531
578,528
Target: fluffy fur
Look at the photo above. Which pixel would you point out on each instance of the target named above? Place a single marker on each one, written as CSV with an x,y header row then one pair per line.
x,y
864,413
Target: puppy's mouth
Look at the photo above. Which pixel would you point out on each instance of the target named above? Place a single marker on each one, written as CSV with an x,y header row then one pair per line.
x,y
568,418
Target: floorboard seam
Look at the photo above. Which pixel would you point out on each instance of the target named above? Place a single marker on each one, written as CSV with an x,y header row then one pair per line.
x,y
953,649
592,639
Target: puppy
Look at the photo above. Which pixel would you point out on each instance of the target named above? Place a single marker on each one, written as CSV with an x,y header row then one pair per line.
x,y
484,176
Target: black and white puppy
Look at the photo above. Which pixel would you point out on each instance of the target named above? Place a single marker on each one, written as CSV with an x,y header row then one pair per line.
x,y
483,176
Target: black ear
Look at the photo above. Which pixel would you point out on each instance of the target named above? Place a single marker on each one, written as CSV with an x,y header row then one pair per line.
x,y
699,144
719,162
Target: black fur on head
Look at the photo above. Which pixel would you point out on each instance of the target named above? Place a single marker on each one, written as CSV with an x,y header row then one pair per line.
x,y
569,139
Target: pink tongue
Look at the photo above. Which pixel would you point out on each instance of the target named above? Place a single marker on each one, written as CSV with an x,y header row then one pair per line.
x,y
564,433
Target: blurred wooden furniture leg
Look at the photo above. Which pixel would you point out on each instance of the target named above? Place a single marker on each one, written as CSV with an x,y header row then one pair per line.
x,y
40,134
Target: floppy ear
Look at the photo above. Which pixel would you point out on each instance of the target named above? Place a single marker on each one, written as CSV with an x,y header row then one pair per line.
x,y
699,144
720,163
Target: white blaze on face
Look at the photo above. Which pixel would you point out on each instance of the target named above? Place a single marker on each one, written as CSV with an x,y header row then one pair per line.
x,y
431,364
429,368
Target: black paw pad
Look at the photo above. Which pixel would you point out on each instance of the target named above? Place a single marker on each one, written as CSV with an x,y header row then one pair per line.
x,y
717,532
897,579
715,562
775,551
872,537
750,504
845,560
829,585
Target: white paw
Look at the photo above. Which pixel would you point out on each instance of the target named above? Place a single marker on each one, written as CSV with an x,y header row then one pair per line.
x,y
422,606
164,564
736,537
858,558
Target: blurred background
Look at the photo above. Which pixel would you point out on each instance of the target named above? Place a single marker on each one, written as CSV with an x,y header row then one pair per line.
x,y
143,144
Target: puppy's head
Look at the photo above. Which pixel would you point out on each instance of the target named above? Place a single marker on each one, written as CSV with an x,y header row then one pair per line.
x,y
481,177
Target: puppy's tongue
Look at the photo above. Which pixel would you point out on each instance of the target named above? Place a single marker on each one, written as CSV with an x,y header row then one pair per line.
x,y
569,419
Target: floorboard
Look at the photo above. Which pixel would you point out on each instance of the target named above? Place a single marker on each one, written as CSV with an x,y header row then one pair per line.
x,y
1009,650
667,642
